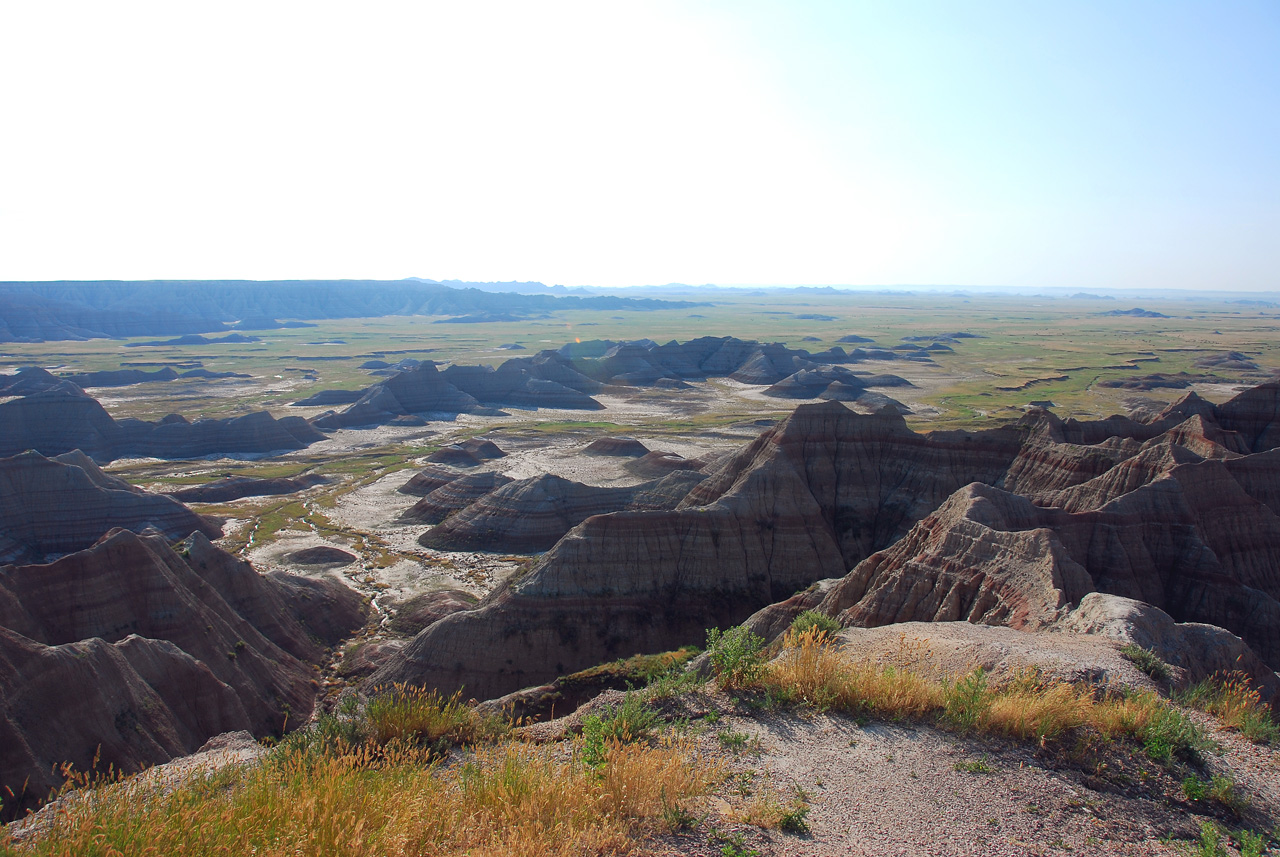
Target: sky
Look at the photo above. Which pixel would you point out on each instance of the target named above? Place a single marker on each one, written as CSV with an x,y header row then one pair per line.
x,y
1114,144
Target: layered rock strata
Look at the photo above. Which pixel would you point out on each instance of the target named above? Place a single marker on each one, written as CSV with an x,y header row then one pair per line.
x,y
56,506
1178,512
130,654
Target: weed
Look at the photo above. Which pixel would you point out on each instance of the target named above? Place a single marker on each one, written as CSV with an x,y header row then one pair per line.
x,y
732,844
676,817
734,741
1251,844
737,656
630,721
1147,661
1210,843
978,766
966,701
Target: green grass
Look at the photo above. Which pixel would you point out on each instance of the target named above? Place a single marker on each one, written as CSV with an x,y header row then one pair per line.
x,y
1147,661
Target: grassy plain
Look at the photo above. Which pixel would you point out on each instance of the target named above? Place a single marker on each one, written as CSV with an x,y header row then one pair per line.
x,y
1059,348
1027,349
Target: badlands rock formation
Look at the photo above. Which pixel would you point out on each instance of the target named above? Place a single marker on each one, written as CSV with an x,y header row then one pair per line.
x,y
569,377
56,506
523,516
64,418
1014,526
134,653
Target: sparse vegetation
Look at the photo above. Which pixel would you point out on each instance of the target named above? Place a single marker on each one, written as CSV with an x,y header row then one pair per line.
x,y
632,720
505,799
1233,700
1147,661
977,766
813,672
1220,789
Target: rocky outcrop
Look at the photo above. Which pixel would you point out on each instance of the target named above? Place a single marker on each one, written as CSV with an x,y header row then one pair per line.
x,y
121,377
65,418
321,555
328,398
52,506
413,614
657,464
134,653
835,383
234,487
1193,543
483,450
454,495
524,516
805,501
1196,650
454,456
430,478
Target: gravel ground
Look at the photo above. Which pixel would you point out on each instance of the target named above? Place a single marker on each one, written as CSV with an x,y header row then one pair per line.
x,y
894,789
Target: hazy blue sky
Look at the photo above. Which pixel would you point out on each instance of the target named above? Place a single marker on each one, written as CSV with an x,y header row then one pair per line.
x,y
1081,144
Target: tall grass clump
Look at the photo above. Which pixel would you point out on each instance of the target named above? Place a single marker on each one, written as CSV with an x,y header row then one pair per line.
x,y
1232,699
393,801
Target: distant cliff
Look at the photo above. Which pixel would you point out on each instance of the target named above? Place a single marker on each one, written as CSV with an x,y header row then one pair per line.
x,y
34,311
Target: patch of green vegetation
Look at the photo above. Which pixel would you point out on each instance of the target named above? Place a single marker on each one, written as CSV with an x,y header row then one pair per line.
x,y
737,656
1147,661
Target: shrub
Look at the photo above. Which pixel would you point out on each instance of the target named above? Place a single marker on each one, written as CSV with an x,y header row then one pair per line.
x,y
630,721
737,656
814,619
966,701
1147,661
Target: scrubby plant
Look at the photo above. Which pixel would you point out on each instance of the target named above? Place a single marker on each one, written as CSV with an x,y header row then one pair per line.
x,y
737,655
632,720
1147,661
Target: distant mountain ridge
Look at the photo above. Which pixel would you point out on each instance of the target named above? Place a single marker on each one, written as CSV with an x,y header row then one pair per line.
x,y
60,310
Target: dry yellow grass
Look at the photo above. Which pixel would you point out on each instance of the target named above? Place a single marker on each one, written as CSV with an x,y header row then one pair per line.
x,y
810,669
504,799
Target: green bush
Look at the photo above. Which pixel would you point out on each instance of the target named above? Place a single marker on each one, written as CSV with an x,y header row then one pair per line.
x,y
737,656
632,720
814,619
